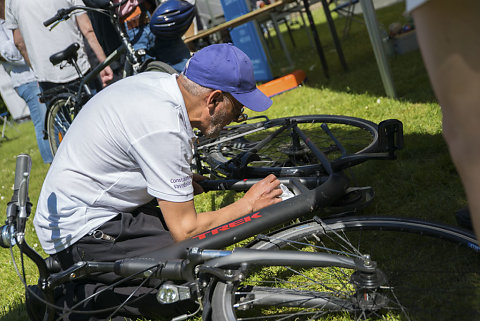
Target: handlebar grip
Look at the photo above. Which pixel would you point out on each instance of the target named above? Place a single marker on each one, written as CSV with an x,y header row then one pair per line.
x,y
61,14
127,267
48,22
173,269
23,165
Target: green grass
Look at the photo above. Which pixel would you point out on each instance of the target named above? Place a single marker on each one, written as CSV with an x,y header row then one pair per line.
x,y
421,183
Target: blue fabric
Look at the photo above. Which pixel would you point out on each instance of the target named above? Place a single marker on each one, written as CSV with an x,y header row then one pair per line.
x,y
30,92
171,51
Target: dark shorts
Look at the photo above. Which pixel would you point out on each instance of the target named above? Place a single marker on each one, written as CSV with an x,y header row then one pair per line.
x,y
127,235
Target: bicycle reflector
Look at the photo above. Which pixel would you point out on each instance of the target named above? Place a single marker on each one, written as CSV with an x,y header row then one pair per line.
x,y
171,293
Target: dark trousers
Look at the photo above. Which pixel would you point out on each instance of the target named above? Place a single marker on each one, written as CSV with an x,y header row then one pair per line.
x,y
128,235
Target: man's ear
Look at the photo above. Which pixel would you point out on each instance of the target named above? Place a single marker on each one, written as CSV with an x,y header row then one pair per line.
x,y
213,99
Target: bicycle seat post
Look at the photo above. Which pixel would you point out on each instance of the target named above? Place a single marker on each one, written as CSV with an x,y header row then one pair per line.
x,y
73,62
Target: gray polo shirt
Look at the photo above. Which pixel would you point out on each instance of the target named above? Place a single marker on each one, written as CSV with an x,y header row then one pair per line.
x,y
131,142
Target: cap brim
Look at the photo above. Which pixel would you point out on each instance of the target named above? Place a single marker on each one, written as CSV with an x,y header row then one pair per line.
x,y
254,100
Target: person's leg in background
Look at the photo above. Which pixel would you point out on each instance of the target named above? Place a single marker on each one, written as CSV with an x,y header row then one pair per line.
x,y
447,32
30,93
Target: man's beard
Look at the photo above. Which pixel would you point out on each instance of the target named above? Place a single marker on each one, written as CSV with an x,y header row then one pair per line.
x,y
217,122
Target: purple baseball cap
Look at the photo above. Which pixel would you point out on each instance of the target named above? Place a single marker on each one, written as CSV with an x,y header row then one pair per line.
x,y
227,68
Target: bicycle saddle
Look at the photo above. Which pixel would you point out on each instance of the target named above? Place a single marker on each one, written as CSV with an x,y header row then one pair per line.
x,y
69,53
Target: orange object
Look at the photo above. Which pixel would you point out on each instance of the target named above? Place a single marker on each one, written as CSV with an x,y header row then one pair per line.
x,y
282,84
133,14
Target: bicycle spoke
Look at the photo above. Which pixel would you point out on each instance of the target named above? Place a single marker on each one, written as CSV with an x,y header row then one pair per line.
x,y
275,145
417,277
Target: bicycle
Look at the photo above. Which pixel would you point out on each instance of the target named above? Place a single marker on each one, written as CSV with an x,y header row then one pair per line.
x,y
64,102
290,146
310,270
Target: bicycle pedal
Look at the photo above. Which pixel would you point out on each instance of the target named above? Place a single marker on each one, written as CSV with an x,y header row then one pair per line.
x,y
390,136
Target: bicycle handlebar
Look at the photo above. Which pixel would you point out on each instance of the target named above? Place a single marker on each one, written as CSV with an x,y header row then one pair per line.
x,y
64,13
245,184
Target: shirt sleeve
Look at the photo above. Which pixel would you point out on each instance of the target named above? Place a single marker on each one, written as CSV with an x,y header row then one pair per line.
x,y
10,18
164,159
8,50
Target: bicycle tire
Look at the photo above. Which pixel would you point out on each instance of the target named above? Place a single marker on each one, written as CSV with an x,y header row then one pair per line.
x,y
432,273
60,115
286,155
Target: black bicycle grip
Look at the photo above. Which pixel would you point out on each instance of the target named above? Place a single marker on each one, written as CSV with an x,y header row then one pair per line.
x,y
228,184
61,13
127,267
173,269
23,165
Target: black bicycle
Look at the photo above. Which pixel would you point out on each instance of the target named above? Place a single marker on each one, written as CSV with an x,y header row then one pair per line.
x,y
294,146
341,268
64,102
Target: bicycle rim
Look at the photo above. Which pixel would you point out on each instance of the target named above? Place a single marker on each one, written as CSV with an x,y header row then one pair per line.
x,y
426,272
286,154
59,118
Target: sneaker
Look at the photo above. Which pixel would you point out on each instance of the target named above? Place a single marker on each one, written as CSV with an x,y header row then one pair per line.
x,y
463,218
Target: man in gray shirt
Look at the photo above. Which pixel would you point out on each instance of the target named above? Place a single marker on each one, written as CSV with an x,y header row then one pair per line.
x,y
37,43
121,185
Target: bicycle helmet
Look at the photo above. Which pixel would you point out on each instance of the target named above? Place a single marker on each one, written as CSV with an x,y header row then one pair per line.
x,y
172,18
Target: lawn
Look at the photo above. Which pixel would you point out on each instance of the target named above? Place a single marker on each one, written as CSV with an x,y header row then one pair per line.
x,y
421,183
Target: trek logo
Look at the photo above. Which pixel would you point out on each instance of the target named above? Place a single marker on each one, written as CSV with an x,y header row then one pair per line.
x,y
228,226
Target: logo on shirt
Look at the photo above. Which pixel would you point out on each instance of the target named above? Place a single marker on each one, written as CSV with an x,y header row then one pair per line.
x,y
179,183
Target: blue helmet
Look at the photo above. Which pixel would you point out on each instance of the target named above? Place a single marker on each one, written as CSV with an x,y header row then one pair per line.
x,y
172,18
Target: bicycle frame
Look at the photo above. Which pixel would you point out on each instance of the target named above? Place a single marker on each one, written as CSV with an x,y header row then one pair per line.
x,y
390,139
125,47
179,261
202,254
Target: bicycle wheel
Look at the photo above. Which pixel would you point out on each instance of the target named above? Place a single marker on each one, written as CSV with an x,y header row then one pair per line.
x,y
60,116
281,151
425,271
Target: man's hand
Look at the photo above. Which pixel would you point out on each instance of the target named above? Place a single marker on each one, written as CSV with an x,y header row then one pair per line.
x,y
264,193
184,222
106,75
197,188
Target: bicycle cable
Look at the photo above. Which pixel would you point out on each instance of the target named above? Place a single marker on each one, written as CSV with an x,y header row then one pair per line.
x,y
58,308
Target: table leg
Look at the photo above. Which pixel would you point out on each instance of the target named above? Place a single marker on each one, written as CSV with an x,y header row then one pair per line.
x,y
333,32
377,45
316,39
280,39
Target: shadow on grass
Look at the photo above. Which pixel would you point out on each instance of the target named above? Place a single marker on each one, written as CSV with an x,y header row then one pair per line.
x,y
421,183
16,313
408,72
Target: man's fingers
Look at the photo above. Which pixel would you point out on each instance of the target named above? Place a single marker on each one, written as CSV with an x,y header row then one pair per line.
x,y
276,192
